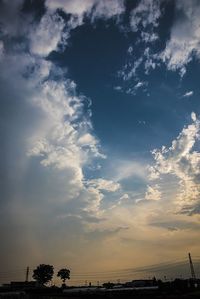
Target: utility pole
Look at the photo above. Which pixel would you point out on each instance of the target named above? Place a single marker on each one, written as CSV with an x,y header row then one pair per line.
x,y
27,274
191,267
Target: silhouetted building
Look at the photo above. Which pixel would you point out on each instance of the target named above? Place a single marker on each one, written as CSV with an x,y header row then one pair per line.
x,y
140,283
20,285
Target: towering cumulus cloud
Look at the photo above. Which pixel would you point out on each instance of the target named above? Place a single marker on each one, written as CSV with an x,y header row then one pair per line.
x,y
182,161
54,129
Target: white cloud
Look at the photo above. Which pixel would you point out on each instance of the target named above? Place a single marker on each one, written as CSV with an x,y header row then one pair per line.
x,y
188,94
76,7
95,9
151,60
146,13
87,139
153,193
129,69
181,161
64,142
127,168
124,197
193,116
93,201
140,84
118,88
47,35
1,49
103,184
59,123
108,8
144,19
183,44
130,50
148,61
149,37
95,193
133,90
52,30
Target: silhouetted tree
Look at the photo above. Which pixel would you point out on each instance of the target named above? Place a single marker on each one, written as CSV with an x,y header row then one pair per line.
x,y
64,274
43,273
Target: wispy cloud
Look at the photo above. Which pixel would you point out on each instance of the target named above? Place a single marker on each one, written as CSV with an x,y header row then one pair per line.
x,y
139,85
129,69
126,169
144,19
188,94
118,88
102,184
1,49
181,47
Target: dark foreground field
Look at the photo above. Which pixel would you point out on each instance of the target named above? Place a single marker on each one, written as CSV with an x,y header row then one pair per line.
x,y
156,294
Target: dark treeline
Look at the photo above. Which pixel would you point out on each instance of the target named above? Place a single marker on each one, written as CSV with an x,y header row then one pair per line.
x,y
145,288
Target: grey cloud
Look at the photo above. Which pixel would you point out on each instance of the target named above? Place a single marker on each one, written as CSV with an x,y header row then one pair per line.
x,y
101,234
172,229
11,10
176,225
191,209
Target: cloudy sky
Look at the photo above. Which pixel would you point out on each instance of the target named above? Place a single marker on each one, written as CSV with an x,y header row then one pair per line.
x,y
100,133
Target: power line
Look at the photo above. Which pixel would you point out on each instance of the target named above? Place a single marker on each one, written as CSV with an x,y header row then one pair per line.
x,y
112,274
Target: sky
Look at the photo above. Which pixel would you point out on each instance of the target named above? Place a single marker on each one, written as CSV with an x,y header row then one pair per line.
x,y
100,135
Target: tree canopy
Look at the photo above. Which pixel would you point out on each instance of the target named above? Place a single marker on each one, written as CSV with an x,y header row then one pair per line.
x,y
43,273
64,274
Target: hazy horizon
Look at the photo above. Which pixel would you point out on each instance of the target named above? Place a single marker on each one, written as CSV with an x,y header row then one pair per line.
x,y
166,271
